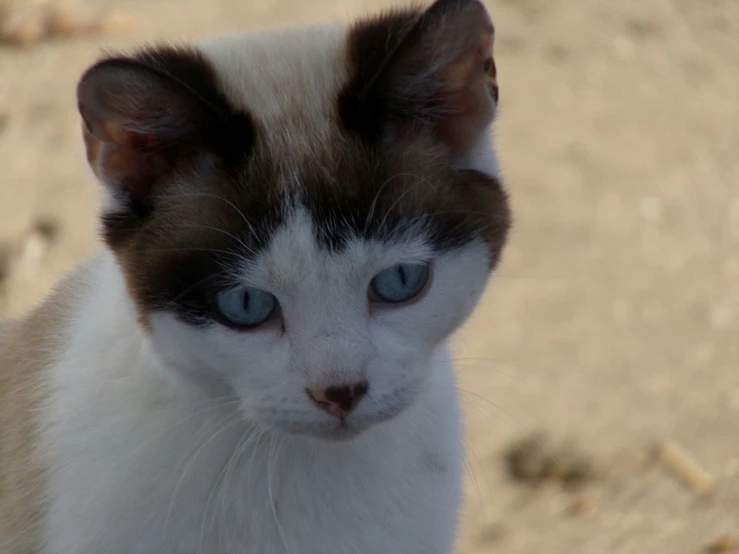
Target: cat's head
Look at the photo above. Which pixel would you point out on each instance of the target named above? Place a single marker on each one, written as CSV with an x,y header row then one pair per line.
x,y
303,217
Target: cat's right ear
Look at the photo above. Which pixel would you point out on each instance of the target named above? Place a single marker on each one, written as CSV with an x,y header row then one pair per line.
x,y
143,115
429,70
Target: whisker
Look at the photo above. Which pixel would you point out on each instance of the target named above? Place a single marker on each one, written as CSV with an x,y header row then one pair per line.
x,y
218,403
466,446
421,180
213,250
253,438
469,212
216,197
234,419
470,396
492,404
219,483
459,364
371,212
197,284
271,461
523,377
208,228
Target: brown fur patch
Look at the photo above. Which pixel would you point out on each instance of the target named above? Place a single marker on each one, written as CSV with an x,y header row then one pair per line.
x,y
27,348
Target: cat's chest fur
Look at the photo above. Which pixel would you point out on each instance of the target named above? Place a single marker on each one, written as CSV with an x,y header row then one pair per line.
x,y
134,468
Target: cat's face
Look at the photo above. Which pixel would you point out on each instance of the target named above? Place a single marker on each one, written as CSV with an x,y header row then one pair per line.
x,y
304,218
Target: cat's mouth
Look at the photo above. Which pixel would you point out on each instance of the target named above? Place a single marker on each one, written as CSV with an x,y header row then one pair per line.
x,y
344,431
335,430
353,425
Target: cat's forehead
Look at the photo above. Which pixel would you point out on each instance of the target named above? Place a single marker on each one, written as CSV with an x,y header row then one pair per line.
x,y
287,80
295,259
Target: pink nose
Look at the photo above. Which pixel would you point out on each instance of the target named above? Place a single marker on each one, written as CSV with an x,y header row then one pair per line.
x,y
339,400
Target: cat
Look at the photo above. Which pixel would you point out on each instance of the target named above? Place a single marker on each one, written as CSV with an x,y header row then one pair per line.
x,y
294,223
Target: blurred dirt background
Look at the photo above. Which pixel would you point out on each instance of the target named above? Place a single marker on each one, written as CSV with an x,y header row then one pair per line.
x,y
612,324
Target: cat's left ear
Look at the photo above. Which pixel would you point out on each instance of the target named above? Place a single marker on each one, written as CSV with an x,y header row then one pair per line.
x,y
146,116
431,69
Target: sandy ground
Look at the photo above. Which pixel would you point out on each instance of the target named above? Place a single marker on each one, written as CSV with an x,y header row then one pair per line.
x,y
612,323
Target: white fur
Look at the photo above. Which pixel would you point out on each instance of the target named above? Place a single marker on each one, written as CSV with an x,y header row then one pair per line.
x,y
144,459
482,157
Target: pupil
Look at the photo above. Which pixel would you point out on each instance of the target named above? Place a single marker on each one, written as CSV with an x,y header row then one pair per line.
x,y
245,303
401,272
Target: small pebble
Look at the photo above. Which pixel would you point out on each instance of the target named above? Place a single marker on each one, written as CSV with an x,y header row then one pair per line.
x,y
685,468
529,461
532,460
577,473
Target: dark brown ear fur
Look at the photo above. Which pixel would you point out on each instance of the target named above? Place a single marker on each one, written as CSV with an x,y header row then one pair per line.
x,y
145,114
432,69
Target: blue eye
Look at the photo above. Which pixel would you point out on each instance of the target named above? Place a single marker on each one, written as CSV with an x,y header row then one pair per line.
x,y
246,307
401,282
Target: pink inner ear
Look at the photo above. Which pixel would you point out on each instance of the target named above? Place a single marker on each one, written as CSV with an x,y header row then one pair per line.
x,y
117,159
469,82
133,170
111,130
127,119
